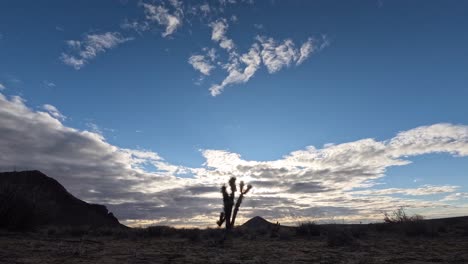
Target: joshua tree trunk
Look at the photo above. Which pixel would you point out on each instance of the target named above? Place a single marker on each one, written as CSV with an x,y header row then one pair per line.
x,y
228,216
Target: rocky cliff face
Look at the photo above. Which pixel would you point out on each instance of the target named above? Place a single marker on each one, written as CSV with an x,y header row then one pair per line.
x,y
30,198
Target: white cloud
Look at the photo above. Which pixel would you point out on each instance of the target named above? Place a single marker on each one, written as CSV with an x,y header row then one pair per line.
x,y
241,67
162,15
423,190
276,56
305,51
336,181
201,64
2,87
88,48
455,197
218,34
54,112
137,26
236,73
205,9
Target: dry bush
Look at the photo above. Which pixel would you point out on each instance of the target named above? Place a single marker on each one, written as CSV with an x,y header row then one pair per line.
x,y
400,216
414,225
308,229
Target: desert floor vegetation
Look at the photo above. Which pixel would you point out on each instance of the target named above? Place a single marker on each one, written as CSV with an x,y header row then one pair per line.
x,y
307,243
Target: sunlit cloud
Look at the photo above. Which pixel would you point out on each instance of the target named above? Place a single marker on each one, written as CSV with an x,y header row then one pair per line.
x,y
335,181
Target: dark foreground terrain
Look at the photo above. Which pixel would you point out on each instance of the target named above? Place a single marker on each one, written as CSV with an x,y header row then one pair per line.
x,y
41,222
425,242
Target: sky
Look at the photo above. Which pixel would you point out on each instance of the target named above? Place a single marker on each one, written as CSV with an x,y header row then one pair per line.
x,y
333,110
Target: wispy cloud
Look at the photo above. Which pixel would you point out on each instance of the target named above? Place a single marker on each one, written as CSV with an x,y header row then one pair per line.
x,y
48,84
455,197
423,190
275,56
240,69
218,34
201,63
54,112
333,181
2,87
163,16
82,51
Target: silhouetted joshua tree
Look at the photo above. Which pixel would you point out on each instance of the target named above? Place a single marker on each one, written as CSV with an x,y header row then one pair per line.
x,y
228,216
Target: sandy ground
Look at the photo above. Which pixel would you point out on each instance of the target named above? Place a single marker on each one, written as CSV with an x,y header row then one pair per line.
x,y
33,248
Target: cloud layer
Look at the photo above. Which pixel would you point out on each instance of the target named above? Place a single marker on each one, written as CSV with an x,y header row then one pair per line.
x,y
336,181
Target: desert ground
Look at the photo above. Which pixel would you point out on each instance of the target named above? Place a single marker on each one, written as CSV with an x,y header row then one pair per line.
x,y
378,243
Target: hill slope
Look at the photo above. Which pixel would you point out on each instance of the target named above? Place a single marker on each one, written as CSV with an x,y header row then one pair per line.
x,y
257,223
30,198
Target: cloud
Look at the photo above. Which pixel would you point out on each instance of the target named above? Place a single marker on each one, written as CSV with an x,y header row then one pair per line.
x,y
163,16
87,49
276,56
266,51
201,64
140,186
2,87
137,26
241,68
54,112
455,197
218,34
48,84
423,190
205,9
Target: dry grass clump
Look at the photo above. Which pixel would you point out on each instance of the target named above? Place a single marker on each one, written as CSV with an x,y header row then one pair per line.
x,y
414,225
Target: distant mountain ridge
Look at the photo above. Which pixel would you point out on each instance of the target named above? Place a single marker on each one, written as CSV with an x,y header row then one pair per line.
x,y
31,198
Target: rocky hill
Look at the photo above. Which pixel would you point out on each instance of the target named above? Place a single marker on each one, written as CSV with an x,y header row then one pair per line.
x,y
257,223
31,198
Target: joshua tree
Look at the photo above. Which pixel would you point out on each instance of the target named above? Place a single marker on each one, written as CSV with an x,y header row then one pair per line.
x,y
228,215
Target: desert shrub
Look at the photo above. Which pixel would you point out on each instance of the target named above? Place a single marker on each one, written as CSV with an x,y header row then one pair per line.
x,y
400,216
339,237
274,230
160,231
192,234
308,229
413,225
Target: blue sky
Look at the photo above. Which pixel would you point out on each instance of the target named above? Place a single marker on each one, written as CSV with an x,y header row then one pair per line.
x,y
372,70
